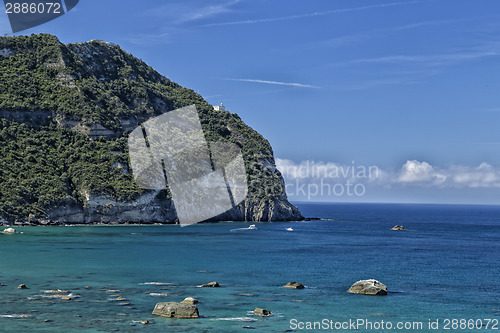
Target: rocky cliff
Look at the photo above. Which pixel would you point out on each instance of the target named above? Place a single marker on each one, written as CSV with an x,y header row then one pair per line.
x,y
65,114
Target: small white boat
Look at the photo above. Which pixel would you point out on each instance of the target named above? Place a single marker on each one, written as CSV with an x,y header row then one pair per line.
x,y
252,227
289,229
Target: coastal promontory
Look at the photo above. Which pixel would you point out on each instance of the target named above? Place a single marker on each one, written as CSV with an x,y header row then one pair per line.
x,y
66,111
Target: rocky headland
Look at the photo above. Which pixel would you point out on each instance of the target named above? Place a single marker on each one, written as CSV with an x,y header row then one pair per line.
x,y
65,115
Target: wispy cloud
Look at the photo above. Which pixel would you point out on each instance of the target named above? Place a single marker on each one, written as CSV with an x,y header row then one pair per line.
x,y
433,60
188,12
149,39
491,109
174,18
490,49
423,24
291,84
489,143
315,14
349,39
405,69
367,84
208,11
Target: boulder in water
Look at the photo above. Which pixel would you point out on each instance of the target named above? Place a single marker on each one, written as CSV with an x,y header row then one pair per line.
x,y
262,312
294,285
213,284
368,287
176,310
190,300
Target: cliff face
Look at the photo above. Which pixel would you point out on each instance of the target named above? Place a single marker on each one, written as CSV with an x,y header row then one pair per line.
x,y
65,114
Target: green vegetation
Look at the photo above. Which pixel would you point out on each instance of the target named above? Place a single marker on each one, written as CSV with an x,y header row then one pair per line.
x,y
42,165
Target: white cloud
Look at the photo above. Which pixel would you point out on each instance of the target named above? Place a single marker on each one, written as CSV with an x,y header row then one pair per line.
x,y
459,176
292,84
415,171
485,175
313,170
412,173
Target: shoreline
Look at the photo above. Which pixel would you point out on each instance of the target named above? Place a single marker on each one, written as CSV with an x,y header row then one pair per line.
x,y
62,224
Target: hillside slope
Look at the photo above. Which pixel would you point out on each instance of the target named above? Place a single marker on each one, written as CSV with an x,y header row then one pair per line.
x,y
65,113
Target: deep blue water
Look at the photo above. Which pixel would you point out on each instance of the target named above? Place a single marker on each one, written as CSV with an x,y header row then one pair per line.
x,y
445,265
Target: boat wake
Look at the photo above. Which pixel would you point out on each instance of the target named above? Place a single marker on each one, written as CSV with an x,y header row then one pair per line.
x,y
243,319
159,283
251,227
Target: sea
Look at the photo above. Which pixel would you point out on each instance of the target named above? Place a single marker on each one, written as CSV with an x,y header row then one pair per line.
x,y
442,273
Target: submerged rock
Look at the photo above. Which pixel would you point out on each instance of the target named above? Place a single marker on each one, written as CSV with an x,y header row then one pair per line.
x,y
213,284
369,287
190,300
294,285
176,310
262,312
56,291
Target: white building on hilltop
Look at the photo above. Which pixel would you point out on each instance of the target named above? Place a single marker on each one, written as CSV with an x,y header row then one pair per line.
x,y
220,107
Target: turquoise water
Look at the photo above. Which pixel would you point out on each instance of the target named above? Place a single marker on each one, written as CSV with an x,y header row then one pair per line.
x,y
446,265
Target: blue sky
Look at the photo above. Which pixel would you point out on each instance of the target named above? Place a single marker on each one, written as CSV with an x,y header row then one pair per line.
x,y
411,87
